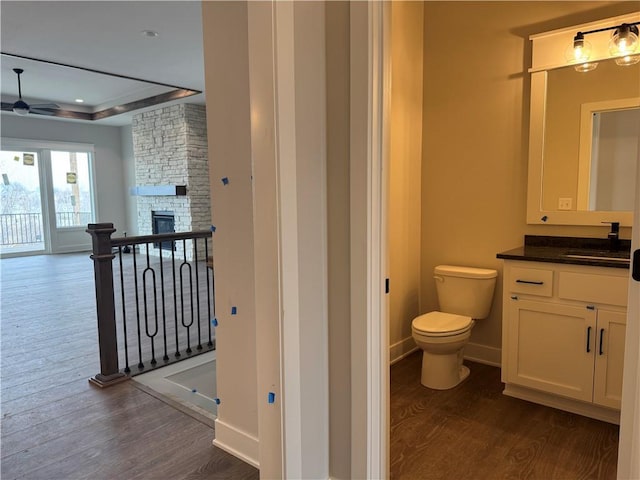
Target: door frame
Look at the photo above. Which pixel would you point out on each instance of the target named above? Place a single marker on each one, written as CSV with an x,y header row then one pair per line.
x,y
629,443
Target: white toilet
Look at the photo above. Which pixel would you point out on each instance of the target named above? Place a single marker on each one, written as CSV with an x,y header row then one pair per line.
x,y
465,294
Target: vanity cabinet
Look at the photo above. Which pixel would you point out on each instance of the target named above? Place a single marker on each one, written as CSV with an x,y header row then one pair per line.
x,y
563,335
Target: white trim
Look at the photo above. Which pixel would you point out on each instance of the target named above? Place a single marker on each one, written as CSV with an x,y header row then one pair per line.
x,y
629,446
284,79
301,177
484,354
401,350
378,383
236,442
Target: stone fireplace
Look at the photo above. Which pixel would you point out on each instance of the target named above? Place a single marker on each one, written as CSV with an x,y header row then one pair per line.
x,y
170,148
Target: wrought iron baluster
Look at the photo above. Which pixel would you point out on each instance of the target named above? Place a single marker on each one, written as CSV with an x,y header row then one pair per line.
x,y
135,284
195,261
151,336
165,357
188,268
124,313
175,300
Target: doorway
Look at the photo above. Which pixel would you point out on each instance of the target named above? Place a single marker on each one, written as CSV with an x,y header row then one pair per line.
x,y
46,197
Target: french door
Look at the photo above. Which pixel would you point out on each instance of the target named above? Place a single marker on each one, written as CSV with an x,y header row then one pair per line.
x,y
46,197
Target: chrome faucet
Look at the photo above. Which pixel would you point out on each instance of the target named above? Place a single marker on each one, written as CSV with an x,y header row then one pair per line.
x,y
614,236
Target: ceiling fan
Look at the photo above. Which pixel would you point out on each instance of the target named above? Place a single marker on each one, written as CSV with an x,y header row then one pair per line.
x,y
23,108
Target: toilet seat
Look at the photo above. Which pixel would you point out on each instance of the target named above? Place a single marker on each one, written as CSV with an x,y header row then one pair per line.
x,y
440,324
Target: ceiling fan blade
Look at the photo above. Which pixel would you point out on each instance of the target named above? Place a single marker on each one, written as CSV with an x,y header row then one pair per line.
x,y
45,105
40,111
7,107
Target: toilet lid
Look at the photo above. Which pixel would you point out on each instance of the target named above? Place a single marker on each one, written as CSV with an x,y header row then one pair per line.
x,y
440,324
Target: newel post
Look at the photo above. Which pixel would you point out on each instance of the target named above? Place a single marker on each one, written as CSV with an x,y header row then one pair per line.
x,y
105,305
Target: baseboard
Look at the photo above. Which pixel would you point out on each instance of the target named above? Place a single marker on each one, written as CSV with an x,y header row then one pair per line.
x,y
401,349
236,442
476,352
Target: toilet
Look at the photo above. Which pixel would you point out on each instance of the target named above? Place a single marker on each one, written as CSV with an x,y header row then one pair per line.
x,y
465,295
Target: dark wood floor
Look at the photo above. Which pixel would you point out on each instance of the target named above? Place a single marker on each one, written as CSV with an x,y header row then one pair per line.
x,y
55,425
475,432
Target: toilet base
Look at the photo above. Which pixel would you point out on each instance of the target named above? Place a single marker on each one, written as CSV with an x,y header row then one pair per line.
x,y
442,372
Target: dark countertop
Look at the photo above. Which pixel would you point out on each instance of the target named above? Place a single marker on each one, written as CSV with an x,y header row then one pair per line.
x,y
555,250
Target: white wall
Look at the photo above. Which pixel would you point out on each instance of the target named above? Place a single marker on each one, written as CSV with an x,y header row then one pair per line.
x,y
129,178
229,132
109,169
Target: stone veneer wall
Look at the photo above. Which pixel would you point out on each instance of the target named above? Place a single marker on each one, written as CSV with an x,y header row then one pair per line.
x,y
170,148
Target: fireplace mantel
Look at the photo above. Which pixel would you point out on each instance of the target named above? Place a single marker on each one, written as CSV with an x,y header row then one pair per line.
x,y
159,190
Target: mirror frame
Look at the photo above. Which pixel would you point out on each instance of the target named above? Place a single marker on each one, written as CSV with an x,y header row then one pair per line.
x,y
548,54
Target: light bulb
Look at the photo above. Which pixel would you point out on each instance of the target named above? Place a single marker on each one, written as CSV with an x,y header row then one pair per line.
x,y
579,51
624,41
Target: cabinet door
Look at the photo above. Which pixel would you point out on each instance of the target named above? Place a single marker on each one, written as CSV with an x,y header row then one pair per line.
x,y
607,382
552,348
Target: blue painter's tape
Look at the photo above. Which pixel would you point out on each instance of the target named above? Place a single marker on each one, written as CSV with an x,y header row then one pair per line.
x,y
217,400
213,228
234,310
272,397
225,181
214,321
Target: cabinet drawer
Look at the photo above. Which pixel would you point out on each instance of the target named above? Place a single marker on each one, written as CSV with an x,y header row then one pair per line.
x,y
532,281
585,287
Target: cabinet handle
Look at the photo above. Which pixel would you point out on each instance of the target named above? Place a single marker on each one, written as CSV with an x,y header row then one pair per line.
x,y
514,297
530,282
601,335
588,339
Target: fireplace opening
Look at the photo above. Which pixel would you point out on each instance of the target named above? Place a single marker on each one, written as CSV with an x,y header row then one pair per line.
x,y
163,222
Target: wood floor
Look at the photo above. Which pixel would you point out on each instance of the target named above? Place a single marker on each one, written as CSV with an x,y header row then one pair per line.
x,y
55,425
475,432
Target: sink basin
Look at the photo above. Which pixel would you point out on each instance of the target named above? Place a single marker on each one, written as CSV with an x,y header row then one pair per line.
x,y
622,257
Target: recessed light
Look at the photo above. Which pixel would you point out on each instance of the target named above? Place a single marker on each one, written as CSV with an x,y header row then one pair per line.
x,y
79,100
149,33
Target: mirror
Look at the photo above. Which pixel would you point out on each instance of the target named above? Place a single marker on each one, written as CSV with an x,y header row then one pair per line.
x,y
579,105
607,162
584,129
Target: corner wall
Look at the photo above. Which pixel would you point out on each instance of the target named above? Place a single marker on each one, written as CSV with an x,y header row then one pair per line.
x,y
405,165
226,59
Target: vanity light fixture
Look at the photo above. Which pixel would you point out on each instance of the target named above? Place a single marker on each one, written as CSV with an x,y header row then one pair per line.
x,y
622,47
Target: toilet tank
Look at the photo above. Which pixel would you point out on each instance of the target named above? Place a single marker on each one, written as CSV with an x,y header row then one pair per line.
x,y
465,290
